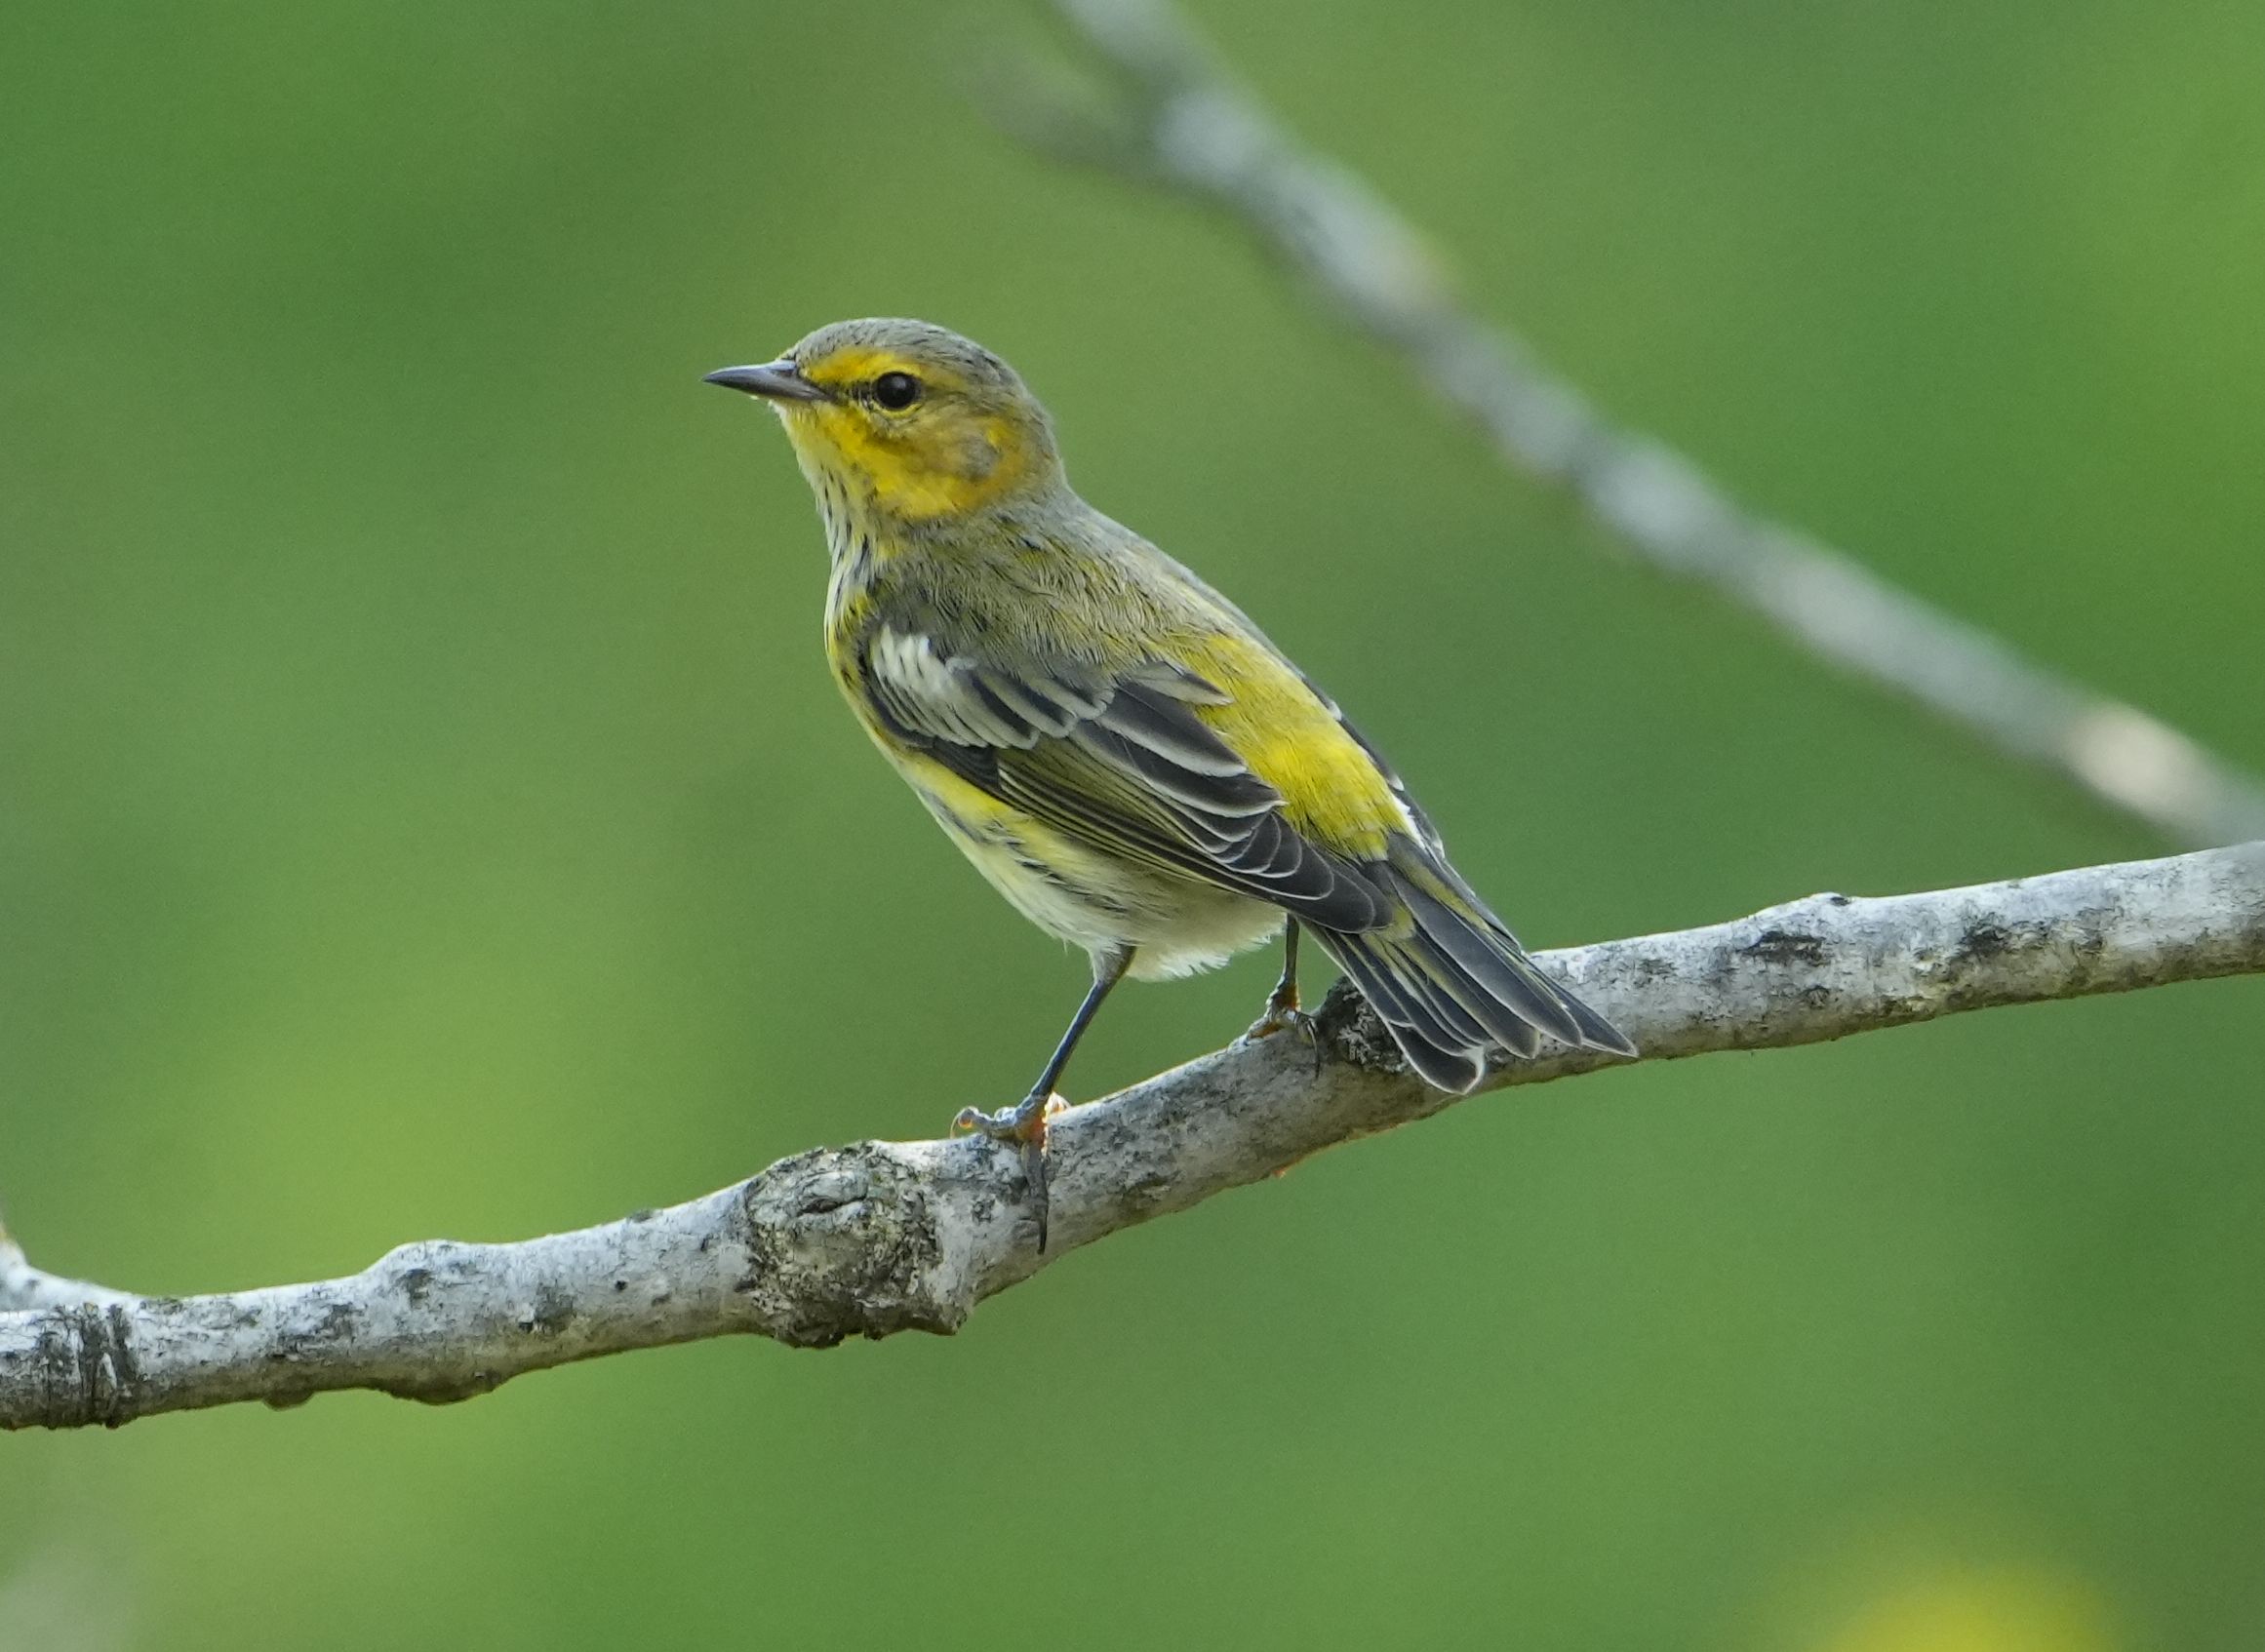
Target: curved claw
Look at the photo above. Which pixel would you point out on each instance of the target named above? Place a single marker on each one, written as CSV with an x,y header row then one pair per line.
x,y
1288,1018
1021,1126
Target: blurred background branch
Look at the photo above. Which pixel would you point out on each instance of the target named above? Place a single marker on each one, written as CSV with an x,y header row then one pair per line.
x,y
1170,116
883,1237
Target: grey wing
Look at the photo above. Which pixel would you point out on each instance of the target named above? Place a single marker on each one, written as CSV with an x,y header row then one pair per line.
x,y
1118,759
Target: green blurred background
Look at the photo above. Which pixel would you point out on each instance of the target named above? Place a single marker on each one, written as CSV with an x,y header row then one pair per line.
x,y
423,811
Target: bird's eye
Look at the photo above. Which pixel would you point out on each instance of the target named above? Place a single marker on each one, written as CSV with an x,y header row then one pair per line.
x,y
897,391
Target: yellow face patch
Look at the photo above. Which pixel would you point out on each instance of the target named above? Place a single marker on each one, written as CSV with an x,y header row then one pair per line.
x,y
857,364
949,465
943,457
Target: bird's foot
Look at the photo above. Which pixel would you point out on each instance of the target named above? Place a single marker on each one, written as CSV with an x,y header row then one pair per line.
x,y
1283,1016
1021,1126
1024,1123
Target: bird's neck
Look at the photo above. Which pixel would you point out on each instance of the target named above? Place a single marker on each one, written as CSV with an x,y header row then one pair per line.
x,y
865,536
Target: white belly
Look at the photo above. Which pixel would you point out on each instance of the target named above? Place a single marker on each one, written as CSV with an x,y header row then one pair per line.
x,y
1175,926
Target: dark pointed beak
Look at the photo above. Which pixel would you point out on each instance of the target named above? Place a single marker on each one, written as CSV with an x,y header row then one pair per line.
x,y
779,381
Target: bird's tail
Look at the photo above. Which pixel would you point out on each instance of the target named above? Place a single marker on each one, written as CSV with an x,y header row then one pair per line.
x,y
1451,981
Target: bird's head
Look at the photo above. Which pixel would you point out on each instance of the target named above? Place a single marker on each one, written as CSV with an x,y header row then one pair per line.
x,y
910,421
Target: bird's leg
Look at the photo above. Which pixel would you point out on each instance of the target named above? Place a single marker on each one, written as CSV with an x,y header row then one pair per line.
x,y
1025,1124
1282,1010
1282,1003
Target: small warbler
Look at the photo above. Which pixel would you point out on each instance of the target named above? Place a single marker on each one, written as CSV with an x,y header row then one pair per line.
x,y
1116,747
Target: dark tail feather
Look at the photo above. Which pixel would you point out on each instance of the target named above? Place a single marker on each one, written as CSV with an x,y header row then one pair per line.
x,y
1456,988
1435,1048
1514,1000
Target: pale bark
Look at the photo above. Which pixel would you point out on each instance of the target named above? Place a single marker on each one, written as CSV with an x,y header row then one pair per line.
x,y
885,1237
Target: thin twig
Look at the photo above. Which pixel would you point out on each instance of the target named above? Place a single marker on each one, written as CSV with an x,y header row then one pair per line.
x,y
910,1235
1170,116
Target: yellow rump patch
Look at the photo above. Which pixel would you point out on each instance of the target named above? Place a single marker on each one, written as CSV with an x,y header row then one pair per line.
x,y
1331,791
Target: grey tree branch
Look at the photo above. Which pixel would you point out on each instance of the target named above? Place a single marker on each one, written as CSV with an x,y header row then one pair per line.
x,y
885,1237
1170,116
